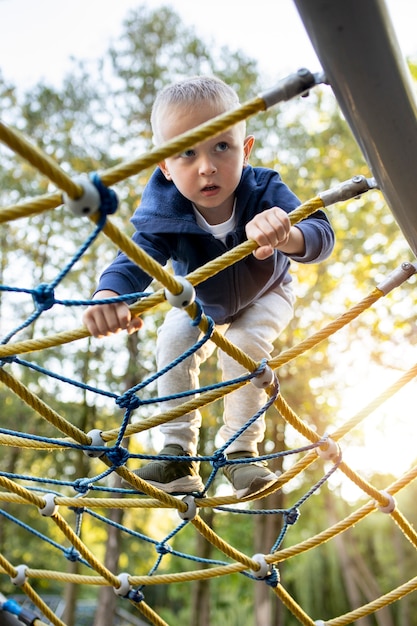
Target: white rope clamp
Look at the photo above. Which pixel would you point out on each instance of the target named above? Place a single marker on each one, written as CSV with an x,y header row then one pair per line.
x,y
20,577
124,587
50,507
332,451
265,568
96,441
387,508
264,379
191,511
185,297
89,201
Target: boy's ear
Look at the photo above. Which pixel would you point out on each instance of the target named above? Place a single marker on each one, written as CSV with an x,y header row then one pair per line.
x,y
162,166
247,148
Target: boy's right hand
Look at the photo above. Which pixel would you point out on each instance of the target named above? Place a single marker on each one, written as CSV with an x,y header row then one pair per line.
x,y
106,319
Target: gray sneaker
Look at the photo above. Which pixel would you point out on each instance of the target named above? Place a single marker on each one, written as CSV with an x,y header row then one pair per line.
x,y
248,479
172,476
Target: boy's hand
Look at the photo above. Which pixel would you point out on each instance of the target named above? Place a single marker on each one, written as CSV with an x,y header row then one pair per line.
x,y
105,319
271,230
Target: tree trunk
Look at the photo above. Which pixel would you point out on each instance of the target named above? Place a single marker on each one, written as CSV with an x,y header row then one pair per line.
x,y
359,582
106,606
70,597
201,598
268,609
105,613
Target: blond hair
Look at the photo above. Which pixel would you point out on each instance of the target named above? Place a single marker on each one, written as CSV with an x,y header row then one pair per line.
x,y
189,93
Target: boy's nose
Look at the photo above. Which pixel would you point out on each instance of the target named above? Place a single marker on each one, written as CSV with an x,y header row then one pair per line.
x,y
207,167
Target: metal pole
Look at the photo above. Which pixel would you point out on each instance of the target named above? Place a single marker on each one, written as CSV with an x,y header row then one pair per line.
x,y
360,55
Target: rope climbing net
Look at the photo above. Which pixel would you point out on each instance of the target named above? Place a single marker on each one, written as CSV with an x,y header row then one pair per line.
x,y
66,504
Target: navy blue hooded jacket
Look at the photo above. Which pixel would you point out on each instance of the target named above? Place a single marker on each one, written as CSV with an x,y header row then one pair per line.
x,y
166,228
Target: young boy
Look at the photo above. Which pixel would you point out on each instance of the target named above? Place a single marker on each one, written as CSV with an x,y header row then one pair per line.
x,y
196,206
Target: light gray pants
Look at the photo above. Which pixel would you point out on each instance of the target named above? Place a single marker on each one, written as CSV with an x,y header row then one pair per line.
x,y
254,332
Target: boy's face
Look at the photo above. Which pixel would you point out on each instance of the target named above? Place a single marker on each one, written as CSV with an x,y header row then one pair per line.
x,y
208,173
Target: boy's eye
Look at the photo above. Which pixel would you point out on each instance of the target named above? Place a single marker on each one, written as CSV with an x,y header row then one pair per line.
x,y
188,153
222,146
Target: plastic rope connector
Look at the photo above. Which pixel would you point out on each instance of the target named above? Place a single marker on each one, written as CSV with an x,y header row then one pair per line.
x,y
264,379
96,441
124,587
319,622
88,203
183,299
265,568
387,508
191,511
50,507
397,277
20,577
332,451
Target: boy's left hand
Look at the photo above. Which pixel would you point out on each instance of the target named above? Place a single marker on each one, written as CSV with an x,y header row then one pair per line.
x,y
270,229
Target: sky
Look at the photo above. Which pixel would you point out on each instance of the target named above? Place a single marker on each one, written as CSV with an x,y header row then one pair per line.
x,y
39,37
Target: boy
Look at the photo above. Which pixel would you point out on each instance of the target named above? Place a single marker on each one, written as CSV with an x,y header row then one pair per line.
x,y
196,206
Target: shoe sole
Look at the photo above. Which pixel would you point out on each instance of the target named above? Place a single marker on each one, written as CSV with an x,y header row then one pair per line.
x,y
256,486
186,484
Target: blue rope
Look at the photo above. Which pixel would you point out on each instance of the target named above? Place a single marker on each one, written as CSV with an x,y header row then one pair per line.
x,y
44,298
39,535
108,197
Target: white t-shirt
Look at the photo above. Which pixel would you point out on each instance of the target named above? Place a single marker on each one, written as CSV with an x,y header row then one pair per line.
x,y
219,231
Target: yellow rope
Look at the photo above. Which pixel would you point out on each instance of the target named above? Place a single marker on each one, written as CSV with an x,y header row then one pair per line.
x,y
116,174
146,610
83,550
376,403
8,568
19,442
157,498
32,345
376,605
348,522
405,526
197,135
149,581
43,409
221,545
295,609
330,329
29,496
30,207
40,160
42,606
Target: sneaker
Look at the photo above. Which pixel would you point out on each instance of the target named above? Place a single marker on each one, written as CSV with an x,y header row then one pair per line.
x,y
248,479
172,476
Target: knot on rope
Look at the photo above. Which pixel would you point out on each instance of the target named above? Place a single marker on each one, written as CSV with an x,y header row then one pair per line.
x,y
135,595
82,485
218,460
291,516
71,554
162,548
108,197
128,401
118,456
44,296
273,579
